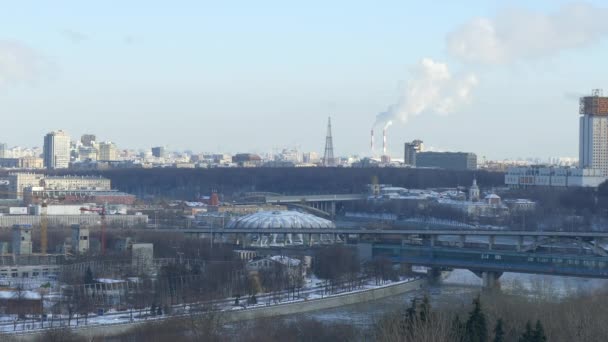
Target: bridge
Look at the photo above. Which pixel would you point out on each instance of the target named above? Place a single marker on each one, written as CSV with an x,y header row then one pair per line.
x,y
323,204
487,253
490,265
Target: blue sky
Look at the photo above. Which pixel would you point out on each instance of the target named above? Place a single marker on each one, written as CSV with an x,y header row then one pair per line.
x,y
253,76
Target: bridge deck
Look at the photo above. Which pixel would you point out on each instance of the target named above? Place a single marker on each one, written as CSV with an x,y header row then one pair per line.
x,y
498,261
393,232
314,198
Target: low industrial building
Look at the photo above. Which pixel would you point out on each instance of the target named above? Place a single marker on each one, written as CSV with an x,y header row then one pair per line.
x,y
447,160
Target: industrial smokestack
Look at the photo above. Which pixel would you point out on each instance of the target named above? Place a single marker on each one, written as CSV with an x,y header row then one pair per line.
x,y
371,145
384,141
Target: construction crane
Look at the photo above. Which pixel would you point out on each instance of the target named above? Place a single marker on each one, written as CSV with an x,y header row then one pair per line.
x,y
43,220
102,212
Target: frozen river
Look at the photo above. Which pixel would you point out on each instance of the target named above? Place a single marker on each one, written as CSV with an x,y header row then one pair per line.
x,y
458,288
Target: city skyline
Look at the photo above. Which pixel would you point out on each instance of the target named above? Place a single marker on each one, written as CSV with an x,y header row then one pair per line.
x,y
190,83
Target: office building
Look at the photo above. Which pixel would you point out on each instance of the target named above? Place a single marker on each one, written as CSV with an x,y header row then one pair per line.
x,y
107,151
87,153
56,150
3,150
88,140
593,138
158,152
411,149
447,160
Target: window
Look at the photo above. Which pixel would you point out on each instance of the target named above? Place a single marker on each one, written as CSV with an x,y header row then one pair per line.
x,y
14,274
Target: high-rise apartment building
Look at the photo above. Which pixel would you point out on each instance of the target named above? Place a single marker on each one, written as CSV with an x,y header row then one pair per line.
x,y
158,152
88,139
56,150
107,151
411,148
593,144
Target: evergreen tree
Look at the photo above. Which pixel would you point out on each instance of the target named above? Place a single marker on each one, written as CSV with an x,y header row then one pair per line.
x,y
527,336
539,333
88,276
410,316
499,334
476,330
425,309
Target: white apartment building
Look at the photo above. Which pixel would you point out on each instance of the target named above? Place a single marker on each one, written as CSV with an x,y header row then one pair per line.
x,y
76,183
56,150
521,177
107,151
593,135
593,148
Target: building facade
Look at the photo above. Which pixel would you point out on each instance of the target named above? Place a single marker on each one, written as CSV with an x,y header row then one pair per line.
x,y
13,186
411,149
56,150
76,183
80,239
593,144
158,152
521,177
108,151
22,239
88,139
447,160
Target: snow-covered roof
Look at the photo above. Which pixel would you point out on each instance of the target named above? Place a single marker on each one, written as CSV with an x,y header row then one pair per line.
x,y
10,294
287,261
109,281
280,219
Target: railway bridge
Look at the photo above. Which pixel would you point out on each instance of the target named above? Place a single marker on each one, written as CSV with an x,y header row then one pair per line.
x,y
488,253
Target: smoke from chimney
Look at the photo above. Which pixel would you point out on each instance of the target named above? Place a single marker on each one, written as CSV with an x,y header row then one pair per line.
x,y
430,88
371,145
384,141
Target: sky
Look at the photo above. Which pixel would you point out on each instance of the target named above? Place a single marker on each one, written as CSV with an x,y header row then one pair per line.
x,y
498,78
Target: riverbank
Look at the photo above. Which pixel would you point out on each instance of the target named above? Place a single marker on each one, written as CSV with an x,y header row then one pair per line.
x,y
276,310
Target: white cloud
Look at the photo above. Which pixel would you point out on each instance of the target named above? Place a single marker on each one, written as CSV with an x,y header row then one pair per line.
x,y
430,88
20,64
521,34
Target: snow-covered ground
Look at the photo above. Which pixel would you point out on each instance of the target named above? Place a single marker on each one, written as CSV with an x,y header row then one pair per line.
x,y
313,288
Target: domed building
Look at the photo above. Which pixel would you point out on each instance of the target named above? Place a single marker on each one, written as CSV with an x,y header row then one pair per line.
x,y
287,220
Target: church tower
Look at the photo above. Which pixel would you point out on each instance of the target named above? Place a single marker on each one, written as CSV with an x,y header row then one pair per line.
x,y
474,191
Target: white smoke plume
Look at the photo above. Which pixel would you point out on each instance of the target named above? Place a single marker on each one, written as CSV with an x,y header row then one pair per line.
x,y
519,34
19,63
430,88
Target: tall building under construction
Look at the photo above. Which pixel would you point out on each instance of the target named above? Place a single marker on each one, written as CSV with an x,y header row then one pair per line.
x,y
593,145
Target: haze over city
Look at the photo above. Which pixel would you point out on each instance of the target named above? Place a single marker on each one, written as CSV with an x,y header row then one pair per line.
x,y
499,78
273,171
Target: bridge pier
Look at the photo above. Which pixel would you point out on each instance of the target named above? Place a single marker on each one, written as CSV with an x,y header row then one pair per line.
x,y
434,275
463,239
406,268
491,242
490,281
520,243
